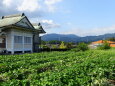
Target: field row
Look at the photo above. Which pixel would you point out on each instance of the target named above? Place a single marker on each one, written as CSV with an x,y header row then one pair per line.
x,y
68,68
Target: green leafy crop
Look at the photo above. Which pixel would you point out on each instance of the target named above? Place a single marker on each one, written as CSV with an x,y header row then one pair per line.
x,y
68,68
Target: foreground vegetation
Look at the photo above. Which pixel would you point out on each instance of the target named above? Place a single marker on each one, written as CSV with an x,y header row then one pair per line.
x,y
68,68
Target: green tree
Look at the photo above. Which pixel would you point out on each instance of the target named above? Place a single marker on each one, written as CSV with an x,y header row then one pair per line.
x,y
69,45
62,45
111,39
82,46
54,47
43,42
54,42
104,46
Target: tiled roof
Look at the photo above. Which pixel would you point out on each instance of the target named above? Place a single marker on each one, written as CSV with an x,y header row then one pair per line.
x,y
112,44
97,42
12,19
38,27
101,41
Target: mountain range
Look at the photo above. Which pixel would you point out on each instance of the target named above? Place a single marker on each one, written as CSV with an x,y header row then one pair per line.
x,y
75,38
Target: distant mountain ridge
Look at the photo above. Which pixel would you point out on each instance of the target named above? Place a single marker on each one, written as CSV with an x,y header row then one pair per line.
x,y
75,38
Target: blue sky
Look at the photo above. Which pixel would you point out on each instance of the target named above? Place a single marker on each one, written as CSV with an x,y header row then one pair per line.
x,y
79,17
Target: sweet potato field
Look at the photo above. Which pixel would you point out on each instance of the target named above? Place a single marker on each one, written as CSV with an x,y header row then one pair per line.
x,y
65,68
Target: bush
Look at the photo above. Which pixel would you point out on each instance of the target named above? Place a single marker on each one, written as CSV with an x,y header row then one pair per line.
x,y
62,45
69,45
45,47
75,50
54,46
104,46
82,47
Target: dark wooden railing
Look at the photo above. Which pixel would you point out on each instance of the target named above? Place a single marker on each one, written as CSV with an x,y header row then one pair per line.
x,y
2,45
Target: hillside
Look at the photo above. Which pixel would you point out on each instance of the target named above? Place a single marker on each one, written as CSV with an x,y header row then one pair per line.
x,y
90,68
74,38
61,37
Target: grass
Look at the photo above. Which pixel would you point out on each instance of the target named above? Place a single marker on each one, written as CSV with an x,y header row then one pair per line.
x,y
68,68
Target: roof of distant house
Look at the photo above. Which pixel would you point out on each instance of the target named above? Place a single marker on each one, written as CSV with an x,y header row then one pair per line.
x,y
97,42
102,41
112,45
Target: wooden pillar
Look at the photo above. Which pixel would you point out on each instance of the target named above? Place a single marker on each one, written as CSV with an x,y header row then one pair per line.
x,y
23,43
33,44
12,42
12,52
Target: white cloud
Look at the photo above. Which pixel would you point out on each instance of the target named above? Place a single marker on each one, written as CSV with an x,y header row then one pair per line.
x,y
47,21
69,23
33,9
29,5
92,32
51,4
48,24
22,5
7,3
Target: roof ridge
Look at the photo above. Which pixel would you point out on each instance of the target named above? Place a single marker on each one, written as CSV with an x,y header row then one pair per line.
x,y
36,24
14,15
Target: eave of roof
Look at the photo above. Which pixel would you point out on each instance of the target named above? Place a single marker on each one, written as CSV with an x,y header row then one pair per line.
x,y
18,27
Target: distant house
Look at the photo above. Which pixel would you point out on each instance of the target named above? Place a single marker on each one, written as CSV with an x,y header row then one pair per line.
x,y
17,33
100,42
